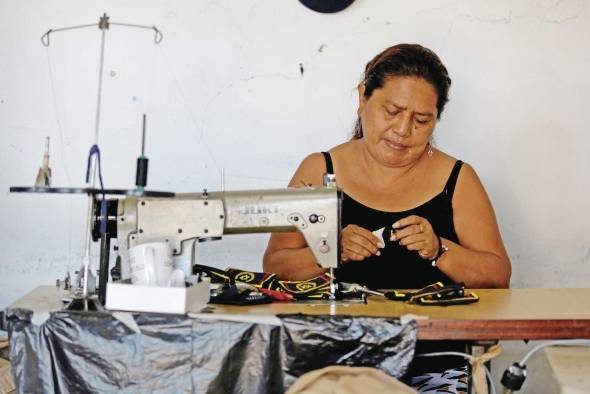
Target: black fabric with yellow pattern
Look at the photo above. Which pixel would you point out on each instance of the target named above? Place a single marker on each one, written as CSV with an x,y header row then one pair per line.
x,y
317,288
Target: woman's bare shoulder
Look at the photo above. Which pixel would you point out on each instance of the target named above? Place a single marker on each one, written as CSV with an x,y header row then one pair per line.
x,y
448,162
313,166
468,182
438,167
444,159
468,179
314,161
311,170
344,153
344,148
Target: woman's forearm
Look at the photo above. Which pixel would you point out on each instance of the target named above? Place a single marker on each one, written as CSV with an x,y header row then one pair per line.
x,y
292,264
476,269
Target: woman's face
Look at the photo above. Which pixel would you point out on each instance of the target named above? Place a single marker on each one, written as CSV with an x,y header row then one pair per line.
x,y
398,120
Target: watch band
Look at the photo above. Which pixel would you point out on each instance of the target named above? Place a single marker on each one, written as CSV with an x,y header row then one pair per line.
x,y
441,249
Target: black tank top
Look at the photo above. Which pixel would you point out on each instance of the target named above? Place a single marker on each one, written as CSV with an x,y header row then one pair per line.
x,y
397,267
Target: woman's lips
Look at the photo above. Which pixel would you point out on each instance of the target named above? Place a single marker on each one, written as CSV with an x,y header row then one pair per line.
x,y
395,145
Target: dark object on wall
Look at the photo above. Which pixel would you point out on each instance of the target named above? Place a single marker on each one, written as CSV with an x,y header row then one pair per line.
x,y
96,352
326,6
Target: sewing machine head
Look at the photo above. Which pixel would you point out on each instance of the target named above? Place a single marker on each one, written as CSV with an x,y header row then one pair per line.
x,y
190,217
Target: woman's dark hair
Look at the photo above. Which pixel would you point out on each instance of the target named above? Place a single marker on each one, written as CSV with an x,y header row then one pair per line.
x,y
406,60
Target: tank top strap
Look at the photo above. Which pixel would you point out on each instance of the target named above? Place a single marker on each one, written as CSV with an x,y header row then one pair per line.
x,y
452,181
329,165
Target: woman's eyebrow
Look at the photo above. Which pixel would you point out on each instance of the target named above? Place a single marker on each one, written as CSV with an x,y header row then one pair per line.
x,y
429,114
395,105
398,106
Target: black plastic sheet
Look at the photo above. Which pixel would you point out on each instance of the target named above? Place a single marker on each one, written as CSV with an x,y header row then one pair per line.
x,y
76,352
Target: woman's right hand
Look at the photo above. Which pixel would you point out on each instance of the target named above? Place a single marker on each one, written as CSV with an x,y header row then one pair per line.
x,y
359,243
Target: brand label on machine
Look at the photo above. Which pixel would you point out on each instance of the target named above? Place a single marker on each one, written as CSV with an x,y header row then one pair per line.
x,y
258,210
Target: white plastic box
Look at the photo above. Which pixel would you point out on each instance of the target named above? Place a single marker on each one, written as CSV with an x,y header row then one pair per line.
x,y
179,300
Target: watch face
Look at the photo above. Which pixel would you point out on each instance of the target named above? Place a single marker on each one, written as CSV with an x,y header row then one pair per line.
x,y
326,6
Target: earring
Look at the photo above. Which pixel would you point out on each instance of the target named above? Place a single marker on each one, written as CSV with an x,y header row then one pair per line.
x,y
430,152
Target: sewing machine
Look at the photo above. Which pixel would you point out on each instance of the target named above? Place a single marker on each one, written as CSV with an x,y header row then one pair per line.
x,y
186,218
138,216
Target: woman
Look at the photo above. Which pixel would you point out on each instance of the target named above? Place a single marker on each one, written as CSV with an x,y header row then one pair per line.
x,y
436,221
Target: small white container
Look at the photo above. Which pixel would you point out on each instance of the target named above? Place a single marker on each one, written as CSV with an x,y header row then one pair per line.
x,y
178,300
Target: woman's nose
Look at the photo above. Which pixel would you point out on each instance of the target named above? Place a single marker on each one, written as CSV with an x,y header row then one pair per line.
x,y
402,126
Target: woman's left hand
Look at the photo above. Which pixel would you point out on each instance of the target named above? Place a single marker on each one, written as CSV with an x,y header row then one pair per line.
x,y
416,233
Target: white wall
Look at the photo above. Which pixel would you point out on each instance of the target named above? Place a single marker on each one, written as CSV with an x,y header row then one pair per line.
x,y
224,90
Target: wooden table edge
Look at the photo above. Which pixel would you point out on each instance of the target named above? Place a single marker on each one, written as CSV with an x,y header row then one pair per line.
x,y
499,329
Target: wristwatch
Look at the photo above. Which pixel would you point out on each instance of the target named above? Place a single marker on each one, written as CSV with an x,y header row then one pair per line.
x,y
441,249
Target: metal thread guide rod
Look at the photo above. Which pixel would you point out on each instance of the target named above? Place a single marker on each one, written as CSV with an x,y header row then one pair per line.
x,y
143,135
103,24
